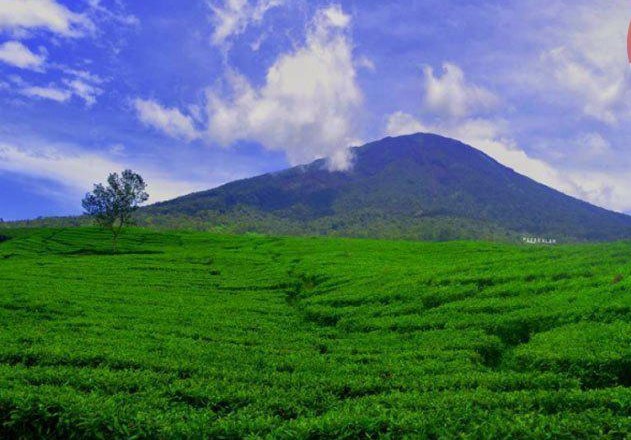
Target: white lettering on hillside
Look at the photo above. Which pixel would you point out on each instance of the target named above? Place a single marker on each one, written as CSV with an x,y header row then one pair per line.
x,y
539,240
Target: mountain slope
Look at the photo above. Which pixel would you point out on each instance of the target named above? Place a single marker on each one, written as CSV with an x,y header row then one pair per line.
x,y
417,186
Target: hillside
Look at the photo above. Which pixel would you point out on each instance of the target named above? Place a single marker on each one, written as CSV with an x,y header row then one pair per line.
x,y
419,186
195,335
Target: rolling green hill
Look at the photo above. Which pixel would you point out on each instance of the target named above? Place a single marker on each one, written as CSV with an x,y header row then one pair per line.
x,y
197,335
420,186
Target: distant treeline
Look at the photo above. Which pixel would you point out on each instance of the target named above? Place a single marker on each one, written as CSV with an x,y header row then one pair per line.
x,y
361,225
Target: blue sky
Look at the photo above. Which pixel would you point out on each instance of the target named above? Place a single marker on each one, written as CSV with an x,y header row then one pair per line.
x,y
196,93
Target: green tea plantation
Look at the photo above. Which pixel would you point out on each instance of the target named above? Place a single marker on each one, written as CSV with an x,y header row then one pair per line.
x,y
193,335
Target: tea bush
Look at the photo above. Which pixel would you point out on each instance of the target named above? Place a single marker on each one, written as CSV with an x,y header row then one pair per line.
x,y
196,335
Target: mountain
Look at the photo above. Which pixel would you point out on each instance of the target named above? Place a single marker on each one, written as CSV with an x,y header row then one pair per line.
x,y
420,186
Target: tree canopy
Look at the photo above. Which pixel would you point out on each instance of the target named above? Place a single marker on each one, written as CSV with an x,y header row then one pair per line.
x,y
112,205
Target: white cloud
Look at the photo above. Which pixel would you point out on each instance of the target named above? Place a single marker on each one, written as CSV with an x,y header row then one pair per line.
x,y
84,90
601,91
400,123
308,103
118,15
307,106
18,15
117,149
610,189
22,17
587,61
451,95
591,146
83,75
169,120
232,17
77,170
255,45
18,55
336,17
366,63
51,92
72,87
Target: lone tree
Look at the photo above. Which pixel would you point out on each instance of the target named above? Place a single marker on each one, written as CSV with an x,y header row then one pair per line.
x,y
112,205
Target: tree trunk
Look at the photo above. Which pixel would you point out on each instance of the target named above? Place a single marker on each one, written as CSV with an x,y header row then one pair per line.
x,y
116,230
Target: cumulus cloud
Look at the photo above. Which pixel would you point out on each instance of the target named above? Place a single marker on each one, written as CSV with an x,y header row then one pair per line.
x,y
52,93
77,170
451,95
335,16
168,120
308,103
605,188
401,123
232,17
587,61
18,55
306,107
20,15
600,90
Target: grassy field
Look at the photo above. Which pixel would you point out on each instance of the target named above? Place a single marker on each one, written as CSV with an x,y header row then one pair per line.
x,y
193,335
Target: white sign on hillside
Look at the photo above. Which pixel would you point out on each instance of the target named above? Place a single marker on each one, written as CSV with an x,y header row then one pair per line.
x,y
538,240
